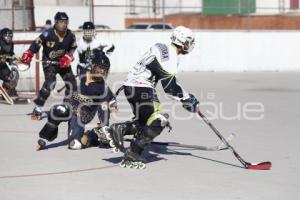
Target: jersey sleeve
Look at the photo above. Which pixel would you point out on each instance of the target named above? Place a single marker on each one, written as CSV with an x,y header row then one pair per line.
x,y
73,46
164,68
38,42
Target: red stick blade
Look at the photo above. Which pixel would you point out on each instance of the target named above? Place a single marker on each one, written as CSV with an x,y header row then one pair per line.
x,y
260,166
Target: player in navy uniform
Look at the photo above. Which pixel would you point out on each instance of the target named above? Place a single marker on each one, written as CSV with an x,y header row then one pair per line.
x,y
159,63
59,44
80,108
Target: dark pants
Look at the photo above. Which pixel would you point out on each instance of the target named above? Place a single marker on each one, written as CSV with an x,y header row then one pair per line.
x,y
143,101
77,127
145,107
50,72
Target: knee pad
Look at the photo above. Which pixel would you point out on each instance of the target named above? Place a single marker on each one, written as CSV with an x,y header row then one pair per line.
x,y
157,122
155,125
42,97
49,131
59,113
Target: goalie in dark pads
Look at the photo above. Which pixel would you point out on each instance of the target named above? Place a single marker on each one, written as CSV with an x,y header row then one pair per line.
x,y
9,76
159,63
81,108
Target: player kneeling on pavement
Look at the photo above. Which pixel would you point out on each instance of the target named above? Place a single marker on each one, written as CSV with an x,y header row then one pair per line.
x,y
160,62
81,108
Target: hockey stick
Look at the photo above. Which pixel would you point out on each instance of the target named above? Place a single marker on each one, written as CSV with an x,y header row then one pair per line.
x,y
219,147
6,97
257,166
63,87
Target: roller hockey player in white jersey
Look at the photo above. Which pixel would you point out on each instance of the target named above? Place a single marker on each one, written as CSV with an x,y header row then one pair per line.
x,y
81,107
85,46
159,63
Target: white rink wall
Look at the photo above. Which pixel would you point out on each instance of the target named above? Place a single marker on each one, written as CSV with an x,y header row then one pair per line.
x,y
214,50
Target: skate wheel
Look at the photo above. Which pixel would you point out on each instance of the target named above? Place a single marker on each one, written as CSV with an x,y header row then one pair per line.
x,y
141,165
112,144
116,150
107,135
135,165
123,165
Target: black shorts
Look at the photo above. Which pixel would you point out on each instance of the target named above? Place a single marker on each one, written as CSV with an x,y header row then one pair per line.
x,y
144,102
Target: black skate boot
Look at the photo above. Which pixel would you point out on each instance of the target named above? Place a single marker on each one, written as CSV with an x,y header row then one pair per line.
x,y
116,132
97,136
104,136
41,145
133,160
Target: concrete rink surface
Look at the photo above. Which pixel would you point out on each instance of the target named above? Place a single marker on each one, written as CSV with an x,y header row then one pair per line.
x,y
260,108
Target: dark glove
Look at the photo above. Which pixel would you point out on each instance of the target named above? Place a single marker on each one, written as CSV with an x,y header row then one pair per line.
x,y
190,103
27,57
66,60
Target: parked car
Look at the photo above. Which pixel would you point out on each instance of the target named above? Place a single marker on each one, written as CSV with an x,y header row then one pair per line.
x,y
151,26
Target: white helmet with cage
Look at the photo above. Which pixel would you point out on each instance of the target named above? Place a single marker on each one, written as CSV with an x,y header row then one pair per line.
x,y
184,38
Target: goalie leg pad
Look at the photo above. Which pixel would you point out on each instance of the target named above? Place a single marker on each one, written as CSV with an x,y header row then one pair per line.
x,y
49,131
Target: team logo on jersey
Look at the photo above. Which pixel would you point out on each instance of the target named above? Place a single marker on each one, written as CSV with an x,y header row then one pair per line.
x,y
50,44
38,41
55,54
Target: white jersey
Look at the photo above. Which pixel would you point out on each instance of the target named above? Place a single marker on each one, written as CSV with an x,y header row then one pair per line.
x,y
159,62
85,49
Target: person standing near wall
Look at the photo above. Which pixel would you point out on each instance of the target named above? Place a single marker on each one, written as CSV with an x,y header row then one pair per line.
x,y
59,44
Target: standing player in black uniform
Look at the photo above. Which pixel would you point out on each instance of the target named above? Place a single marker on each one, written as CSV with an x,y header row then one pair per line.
x,y
58,44
80,108
10,77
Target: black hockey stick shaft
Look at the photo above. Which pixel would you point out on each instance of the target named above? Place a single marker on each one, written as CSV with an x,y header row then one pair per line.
x,y
247,165
63,87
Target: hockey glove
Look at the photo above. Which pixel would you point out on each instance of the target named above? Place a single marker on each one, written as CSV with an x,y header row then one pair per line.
x,y
190,103
27,57
66,60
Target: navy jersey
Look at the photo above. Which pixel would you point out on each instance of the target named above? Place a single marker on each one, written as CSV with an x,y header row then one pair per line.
x,y
94,97
6,49
54,45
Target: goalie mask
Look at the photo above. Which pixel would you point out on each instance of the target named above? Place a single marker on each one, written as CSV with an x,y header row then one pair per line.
x,y
88,31
100,65
6,35
184,38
